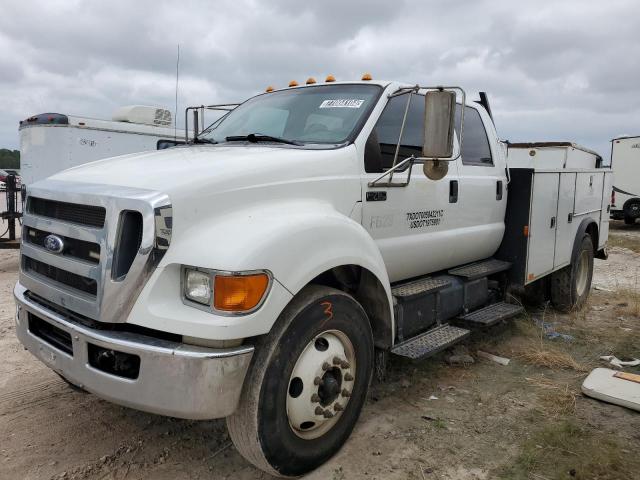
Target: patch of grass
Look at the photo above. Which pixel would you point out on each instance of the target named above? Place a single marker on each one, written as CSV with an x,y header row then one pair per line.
x,y
565,451
552,359
556,399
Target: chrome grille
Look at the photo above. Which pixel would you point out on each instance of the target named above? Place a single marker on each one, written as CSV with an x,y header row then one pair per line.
x,y
90,215
100,271
71,280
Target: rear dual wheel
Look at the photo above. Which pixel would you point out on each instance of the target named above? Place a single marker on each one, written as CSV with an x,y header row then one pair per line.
x,y
306,385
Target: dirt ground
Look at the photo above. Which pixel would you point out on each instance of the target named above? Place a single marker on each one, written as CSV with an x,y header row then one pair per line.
x,y
429,420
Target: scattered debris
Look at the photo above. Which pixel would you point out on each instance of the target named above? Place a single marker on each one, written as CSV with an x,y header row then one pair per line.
x,y
601,288
550,331
616,362
432,397
606,385
494,358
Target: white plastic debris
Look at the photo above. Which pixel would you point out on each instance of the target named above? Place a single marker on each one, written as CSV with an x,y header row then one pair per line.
x,y
494,358
616,362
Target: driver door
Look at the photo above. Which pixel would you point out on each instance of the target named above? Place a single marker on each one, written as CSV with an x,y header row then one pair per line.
x,y
415,226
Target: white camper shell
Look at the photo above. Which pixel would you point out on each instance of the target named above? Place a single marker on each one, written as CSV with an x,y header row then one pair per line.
x,y
625,162
52,142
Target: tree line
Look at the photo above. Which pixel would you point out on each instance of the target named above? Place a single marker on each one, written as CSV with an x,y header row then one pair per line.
x,y
9,158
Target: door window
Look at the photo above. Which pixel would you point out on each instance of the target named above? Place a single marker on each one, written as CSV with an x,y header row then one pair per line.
x,y
384,138
382,142
475,143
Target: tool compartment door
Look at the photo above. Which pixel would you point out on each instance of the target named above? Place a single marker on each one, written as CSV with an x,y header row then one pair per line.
x,y
542,227
565,232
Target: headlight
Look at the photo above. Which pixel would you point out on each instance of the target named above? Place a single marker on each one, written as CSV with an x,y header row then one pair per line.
x,y
197,286
232,293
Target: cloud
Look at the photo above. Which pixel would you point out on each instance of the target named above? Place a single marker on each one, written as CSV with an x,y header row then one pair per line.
x,y
553,70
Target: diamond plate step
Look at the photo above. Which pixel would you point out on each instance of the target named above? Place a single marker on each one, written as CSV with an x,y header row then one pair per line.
x,y
477,270
416,288
492,314
430,342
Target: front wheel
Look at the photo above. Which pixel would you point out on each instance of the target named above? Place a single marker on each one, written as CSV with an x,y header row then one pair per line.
x,y
307,384
570,286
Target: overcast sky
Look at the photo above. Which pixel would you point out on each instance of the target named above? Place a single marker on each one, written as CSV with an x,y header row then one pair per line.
x,y
556,70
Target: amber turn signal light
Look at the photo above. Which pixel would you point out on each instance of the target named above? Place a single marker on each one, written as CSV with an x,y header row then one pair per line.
x,y
239,293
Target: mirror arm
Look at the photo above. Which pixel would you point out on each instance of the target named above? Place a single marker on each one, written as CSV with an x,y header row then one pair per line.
x,y
404,121
374,182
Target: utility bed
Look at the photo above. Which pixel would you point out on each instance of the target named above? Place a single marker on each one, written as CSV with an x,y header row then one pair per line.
x,y
545,210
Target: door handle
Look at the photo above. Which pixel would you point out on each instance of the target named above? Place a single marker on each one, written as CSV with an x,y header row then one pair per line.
x,y
499,190
453,191
553,222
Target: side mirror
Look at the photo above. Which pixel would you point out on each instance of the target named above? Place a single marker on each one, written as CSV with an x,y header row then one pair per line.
x,y
439,120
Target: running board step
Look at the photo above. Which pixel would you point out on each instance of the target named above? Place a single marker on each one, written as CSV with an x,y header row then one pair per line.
x,y
491,315
480,269
430,342
409,290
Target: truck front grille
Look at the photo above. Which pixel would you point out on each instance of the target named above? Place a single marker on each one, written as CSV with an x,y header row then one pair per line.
x,y
73,247
72,280
104,243
89,215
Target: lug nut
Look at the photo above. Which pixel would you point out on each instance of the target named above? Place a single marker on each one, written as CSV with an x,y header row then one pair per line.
x,y
326,366
328,414
315,398
337,407
348,377
317,381
319,411
346,393
337,361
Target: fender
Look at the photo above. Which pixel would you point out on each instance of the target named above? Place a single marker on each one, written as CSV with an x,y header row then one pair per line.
x,y
582,229
295,240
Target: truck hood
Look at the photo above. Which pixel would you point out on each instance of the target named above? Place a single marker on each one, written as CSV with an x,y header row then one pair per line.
x,y
187,170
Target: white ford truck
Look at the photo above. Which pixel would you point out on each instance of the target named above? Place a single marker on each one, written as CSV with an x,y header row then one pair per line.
x,y
263,271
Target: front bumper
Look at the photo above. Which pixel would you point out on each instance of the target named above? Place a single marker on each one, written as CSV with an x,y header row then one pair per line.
x,y
174,379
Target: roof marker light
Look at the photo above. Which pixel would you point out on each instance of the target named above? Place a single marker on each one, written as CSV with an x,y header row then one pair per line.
x,y
269,89
293,83
330,78
311,81
366,77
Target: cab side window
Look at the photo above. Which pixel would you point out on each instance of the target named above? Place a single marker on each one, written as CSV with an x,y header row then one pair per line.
x,y
382,143
475,143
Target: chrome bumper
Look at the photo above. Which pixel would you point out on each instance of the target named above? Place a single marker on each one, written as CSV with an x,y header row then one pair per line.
x,y
175,379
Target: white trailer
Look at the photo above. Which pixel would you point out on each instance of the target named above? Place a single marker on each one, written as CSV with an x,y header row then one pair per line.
x,y
625,162
52,142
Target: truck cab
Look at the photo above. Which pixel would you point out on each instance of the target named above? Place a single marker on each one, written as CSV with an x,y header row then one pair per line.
x,y
264,270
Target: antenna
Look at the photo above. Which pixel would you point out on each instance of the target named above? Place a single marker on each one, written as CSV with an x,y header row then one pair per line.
x,y
175,112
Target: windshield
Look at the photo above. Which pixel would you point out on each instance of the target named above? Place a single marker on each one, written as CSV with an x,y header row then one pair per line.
x,y
326,114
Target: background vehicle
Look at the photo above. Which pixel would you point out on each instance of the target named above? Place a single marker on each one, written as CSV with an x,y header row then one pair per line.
x,y
52,142
267,282
625,162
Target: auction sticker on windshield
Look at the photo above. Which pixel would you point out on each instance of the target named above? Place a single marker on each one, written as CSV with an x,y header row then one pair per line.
x,y
342,103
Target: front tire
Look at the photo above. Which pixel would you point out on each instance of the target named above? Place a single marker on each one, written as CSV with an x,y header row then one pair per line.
x,y
307,384
570,286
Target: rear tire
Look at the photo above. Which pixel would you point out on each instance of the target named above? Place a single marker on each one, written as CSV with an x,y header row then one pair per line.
x,y
570,286
277,425
629,220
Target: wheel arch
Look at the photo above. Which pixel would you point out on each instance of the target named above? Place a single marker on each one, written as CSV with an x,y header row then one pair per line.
x,y
590,226
370,293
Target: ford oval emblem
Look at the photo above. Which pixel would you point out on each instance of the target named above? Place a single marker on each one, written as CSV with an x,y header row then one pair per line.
x,y
54,243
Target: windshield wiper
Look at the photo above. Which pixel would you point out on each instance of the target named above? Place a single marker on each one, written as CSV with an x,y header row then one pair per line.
x,y
257,137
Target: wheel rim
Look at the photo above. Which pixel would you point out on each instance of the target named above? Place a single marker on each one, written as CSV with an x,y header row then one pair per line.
x,y
321,384
582,274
